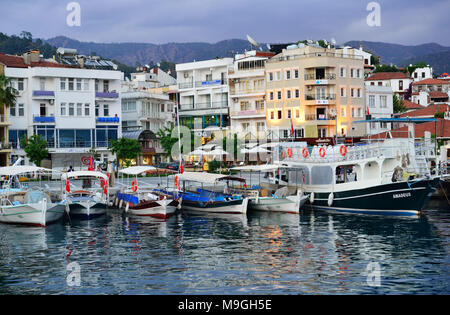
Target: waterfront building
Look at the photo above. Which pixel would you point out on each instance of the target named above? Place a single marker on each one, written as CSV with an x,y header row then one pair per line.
x,y
5,147
428,91
203,96
146,110
420,74
316,91
398,81
379,101
73,103
247,93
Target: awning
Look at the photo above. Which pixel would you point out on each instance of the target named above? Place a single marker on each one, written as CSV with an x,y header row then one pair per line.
x,y
78,174
136,170
22,169
141,135
208,178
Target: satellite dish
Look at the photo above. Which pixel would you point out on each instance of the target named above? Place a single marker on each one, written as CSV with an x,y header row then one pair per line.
x,y
333,41
252,41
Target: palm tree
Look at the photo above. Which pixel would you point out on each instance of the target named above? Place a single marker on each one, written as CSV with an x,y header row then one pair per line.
x,y
8,94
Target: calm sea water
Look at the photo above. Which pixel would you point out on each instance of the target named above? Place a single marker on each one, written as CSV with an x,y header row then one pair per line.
x,y
311,253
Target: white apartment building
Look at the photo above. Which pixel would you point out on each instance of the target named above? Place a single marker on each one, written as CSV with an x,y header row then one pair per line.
x,y
422,73
203,95
147,78
379,100
399,82
143,114
247,92
73,107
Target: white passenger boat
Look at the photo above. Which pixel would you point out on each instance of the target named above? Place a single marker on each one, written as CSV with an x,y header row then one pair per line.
x,y
147,201
29,206
389,176
272,197
91,199
207,192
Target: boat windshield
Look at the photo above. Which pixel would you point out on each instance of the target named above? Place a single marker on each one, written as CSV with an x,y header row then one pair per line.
x,y
346,174
35,196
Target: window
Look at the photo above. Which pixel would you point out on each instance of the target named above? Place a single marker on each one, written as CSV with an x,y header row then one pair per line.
x,y
423,74
278,75
352,92
288,74
79,109
372,83
342,111
322,132
86,84
351,73
359,112
297,93
97,110
285,133
70,84
299,133
43,110
371,100
297,113
62,84
296,73
271,96
358,73
342,92
289,114
12,110
400,84
63,109
383,101
415,75
78,84
42,84
245,105
358,93
288,94
21,110
245,126
105,86
260,126
353,112
105,110
259,104
96,85
270,76
380,83
342,72
279,95
20,85
71,109
86,109
279,114
272,115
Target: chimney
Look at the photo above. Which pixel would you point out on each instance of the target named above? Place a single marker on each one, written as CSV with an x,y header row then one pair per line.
x,y
31,56
81,60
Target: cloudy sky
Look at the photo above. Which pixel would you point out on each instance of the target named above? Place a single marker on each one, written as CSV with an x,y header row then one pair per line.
x,y
161,21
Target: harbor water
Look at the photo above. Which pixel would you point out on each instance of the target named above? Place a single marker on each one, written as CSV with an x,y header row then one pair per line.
x,y
312,253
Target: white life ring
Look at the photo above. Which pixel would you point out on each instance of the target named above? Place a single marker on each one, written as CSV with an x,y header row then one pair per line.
x,y
311,197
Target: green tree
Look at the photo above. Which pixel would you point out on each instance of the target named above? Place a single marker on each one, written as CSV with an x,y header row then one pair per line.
x,y
35,147
413,67
385,68
398,104
8,94
125,149
166,140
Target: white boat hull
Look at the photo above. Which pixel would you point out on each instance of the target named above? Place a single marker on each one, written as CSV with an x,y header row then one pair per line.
x,y
32,214
87,209
232,208
161,209
289,204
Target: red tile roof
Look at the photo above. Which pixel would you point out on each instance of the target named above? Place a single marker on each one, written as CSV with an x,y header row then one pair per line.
x,y
411,105
428,111
441,127
437,94
387,76
18,62
431,82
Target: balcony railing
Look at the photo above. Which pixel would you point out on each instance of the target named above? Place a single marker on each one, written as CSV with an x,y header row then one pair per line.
x,y
44,119
185,85
313,55
318,117
209,83
207,105
312,97
111,95
5,146
314,76
108,119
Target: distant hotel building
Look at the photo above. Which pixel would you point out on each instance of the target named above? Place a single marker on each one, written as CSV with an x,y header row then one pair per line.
x,y
320,91
73,103
203,95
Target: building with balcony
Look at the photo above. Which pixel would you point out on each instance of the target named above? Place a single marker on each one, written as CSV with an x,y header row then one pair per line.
x,y
316,91
74,104
428,91
399,82
5,147
247,93
203,95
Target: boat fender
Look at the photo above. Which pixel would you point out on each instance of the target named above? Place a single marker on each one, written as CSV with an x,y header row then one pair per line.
x,y
311,198
330,199
127,207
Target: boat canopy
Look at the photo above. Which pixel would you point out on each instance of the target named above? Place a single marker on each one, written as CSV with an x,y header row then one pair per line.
x,y
204,177
136,170
22,169
77,174
257,168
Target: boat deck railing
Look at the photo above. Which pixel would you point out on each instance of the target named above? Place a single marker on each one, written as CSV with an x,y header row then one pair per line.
x,y
342,153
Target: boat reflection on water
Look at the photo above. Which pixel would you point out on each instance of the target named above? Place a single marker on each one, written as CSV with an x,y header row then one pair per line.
x,y
273,218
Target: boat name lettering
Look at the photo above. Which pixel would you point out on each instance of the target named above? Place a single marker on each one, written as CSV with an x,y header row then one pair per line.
x,y
402,195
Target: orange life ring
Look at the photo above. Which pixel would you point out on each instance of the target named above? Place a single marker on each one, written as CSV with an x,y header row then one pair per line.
x,y
305,152
289,152
282,154
134,185
343,150
322,152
